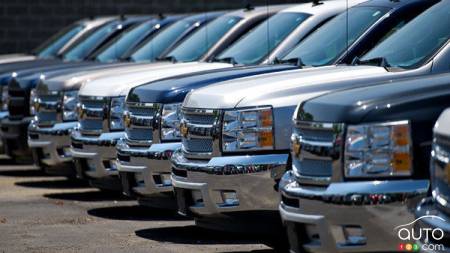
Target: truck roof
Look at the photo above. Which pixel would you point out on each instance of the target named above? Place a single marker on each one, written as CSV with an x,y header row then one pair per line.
x,y
252,12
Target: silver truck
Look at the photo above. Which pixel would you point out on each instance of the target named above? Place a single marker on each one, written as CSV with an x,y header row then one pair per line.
x,y
49,132
102,100
432,214
144,154
236,134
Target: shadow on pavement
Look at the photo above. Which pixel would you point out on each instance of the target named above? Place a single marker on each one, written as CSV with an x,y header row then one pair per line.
x,y
55,184
88,196
32,172
255,251
135,213
194,235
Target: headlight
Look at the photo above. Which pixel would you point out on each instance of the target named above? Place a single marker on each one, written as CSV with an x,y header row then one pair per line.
x,y
5,95
170,122
70,101
249,129
116,113
33,102
378,150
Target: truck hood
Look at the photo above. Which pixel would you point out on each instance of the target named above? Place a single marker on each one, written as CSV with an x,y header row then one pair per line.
x,y
72,80
280,89
30,75
174,89
8,68
16,58
413,98
120,85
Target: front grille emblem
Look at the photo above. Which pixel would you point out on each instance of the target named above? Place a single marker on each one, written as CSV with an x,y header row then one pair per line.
x,y
296,147
184,130
127,119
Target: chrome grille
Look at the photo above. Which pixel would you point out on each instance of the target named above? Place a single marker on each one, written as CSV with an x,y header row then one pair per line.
x,y
18,105
201,139
48,108
440,164
139,130
316,151
93,115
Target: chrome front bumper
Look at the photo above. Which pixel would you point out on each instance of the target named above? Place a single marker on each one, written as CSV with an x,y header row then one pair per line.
x,y
147,166
3,115
97,152
54,142
318,218
227,184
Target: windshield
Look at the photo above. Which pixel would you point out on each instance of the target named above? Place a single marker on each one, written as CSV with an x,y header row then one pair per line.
x,y
115,51
51,48
257,44
194,47
417,41
334,36
163,40
82,50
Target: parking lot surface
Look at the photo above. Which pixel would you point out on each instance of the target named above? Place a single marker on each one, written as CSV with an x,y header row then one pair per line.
x,y
40,213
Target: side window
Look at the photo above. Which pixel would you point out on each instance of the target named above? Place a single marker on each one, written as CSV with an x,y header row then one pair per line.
x,y
315,28
237,36
393,24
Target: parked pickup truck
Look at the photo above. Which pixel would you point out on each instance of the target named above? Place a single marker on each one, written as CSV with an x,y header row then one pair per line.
x,y
236,134
143,161
49,137
14,128
360,161
93,144
57,44
432,213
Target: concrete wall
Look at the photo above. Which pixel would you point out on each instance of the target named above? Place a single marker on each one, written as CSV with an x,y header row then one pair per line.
x,y
26,23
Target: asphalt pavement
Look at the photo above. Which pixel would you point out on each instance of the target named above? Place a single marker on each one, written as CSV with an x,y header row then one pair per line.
x,y
41,213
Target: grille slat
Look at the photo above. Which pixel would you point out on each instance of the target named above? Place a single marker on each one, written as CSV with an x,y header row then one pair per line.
x,y
205,119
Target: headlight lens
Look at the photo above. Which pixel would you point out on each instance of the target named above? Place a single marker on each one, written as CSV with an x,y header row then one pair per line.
x,y
116,113
70,101
4,98
170,122
33,102
378,150
249,129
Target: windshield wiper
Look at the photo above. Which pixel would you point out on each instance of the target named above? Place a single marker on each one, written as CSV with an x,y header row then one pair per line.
x,y
296,61
229,60
168,58
377,61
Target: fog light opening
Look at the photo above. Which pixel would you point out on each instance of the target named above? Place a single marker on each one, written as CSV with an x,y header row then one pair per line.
x,y
197,197
139,178
162,180
110,164
165,179
312,234
65,152
354,235
229,198
91,164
